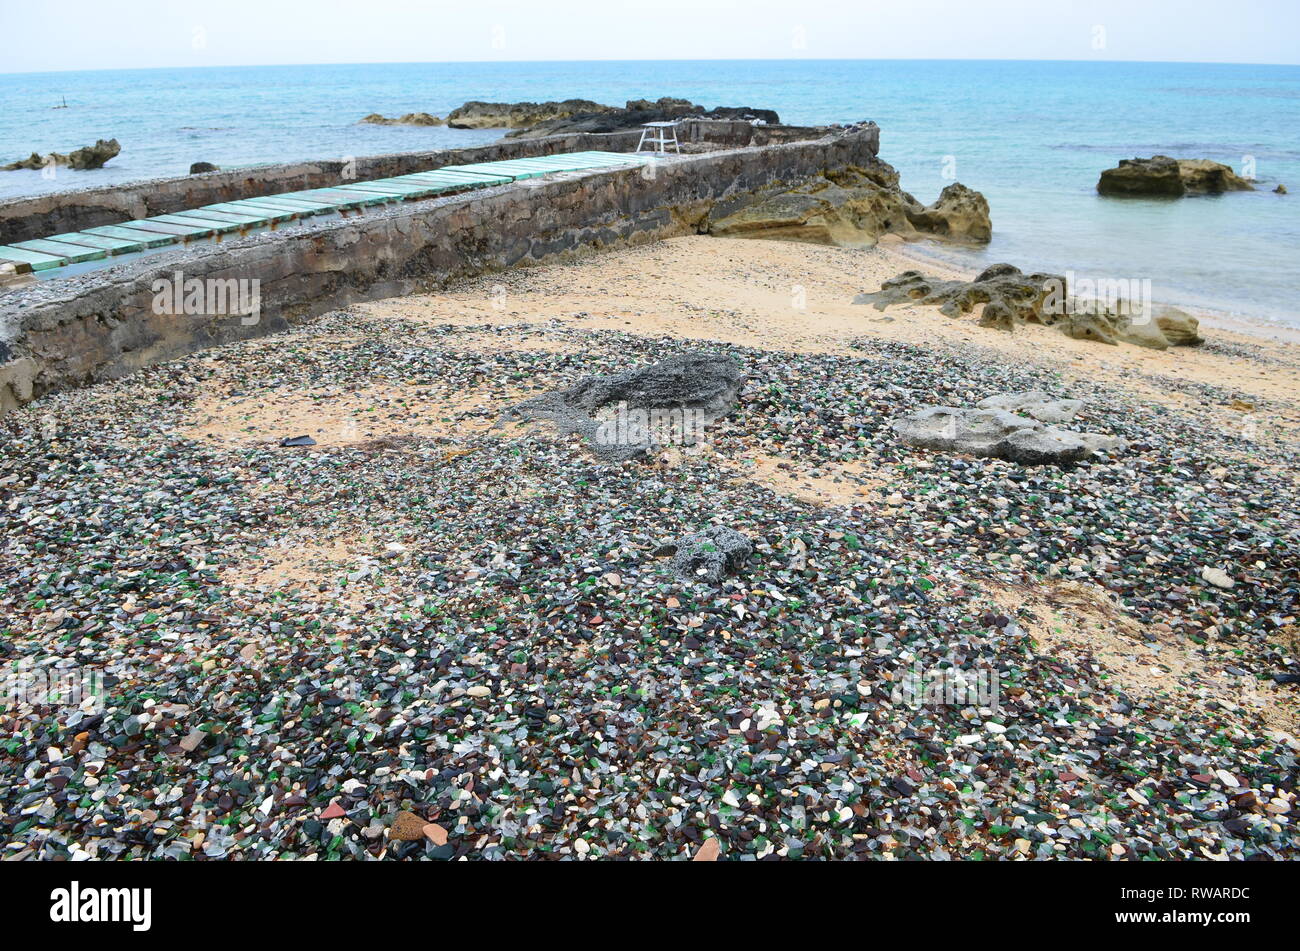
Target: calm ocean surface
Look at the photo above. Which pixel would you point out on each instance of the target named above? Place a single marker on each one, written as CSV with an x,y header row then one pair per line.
x,y
1031,136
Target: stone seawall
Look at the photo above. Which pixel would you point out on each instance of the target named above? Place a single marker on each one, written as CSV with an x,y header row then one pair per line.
x,y
102,324
25,219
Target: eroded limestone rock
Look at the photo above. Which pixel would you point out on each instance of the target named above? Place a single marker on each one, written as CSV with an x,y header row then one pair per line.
x,y
1163,176
854,206
1014,297
88,157
411,118
1002,434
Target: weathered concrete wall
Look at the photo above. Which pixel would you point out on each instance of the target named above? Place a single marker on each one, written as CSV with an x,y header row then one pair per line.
x,y
23,219
102,324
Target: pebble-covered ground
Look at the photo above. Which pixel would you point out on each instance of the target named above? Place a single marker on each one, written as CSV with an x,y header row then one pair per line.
x,y
425,637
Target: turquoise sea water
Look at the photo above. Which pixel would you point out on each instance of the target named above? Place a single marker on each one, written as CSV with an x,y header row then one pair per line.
x,y
1032,136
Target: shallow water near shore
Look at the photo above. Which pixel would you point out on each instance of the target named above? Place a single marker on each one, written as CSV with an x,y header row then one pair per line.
x,y
1032,136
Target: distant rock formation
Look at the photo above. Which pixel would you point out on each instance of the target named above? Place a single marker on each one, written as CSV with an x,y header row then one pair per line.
x,y
535,119
854,206
198,168
91,156
518,115
411,118
1162,176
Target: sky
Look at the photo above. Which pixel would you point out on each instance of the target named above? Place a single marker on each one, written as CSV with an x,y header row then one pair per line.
x,y
94,34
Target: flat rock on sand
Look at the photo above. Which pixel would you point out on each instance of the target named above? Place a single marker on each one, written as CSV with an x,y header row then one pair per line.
x,y
706,384
992,429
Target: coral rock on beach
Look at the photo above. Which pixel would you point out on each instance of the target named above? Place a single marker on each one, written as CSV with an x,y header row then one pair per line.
x,y
1162,176
89,157
1012,298
1015,297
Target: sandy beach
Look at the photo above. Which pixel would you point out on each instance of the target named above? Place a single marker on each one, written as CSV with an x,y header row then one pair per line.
x,y
431,612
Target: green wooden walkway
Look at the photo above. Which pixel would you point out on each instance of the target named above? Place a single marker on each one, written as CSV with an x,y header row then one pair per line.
x,y
93,244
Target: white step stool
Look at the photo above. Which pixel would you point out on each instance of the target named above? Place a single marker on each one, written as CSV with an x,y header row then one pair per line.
x,y
660,135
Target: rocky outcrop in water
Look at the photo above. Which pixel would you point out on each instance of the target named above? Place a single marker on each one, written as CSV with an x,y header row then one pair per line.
x,y
198,168
535,119
853,206
960,214
518,115
993,428
411,118
627,414
89,157
1163,177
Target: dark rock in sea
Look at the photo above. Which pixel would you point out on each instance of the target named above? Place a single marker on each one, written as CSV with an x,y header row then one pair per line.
x,y
536,119
198,168
1280,190
711,555
1163,177
686,392
88,157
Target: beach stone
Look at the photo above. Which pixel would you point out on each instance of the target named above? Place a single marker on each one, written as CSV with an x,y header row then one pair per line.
x,y
998,434
1163,176
706,384
1101,328
407,827
1034,403
711,555
1180,328
1217,577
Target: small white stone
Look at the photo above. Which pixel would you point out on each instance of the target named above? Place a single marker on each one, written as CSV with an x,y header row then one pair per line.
x,y
1217,577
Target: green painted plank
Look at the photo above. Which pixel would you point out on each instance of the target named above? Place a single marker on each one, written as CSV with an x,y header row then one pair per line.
x,y
149,239
301,208
344,197
34,260
406,190
150,224
453,179
75,253
458,175
262,214
378,189
213,225
111,245
224,217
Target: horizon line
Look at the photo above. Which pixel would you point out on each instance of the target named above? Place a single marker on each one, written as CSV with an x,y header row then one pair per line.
x,y
724,59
